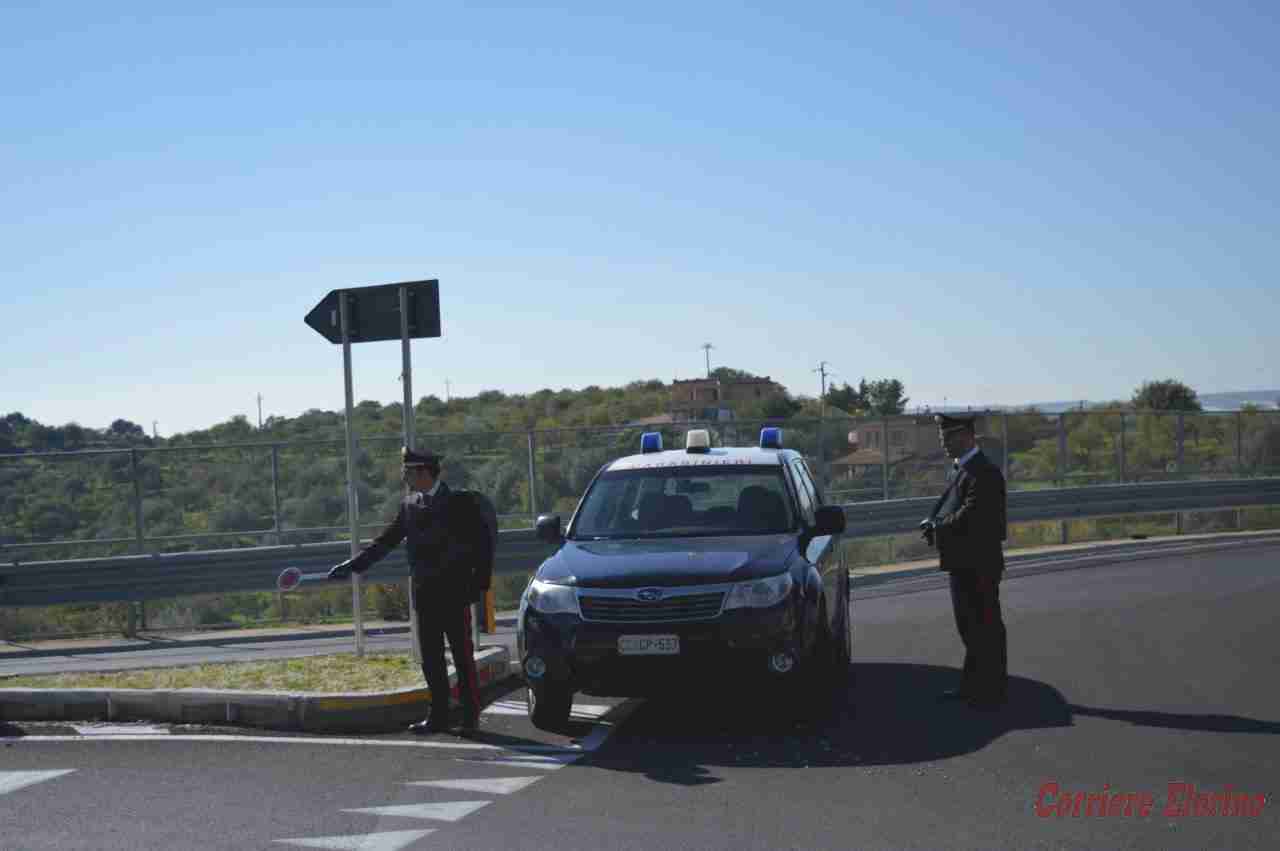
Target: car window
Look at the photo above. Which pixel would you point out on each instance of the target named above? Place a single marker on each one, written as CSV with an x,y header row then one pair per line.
x,y
804,492
683,501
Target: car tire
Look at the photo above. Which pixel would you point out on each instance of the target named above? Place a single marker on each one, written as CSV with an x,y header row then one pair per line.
x,y
549,705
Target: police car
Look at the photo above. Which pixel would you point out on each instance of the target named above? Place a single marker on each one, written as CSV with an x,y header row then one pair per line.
x,y
682,564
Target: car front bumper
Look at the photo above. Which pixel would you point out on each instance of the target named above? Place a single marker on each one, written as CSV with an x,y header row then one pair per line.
x,y
584,655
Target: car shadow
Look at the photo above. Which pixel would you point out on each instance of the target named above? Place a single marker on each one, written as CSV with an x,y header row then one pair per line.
x,y
888,714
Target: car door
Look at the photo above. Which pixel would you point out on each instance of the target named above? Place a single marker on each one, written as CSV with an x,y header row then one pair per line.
x,y
823,551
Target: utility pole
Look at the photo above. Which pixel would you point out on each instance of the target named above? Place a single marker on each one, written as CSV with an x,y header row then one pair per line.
x,y
259,412
822,369
153,429
707,347
447,385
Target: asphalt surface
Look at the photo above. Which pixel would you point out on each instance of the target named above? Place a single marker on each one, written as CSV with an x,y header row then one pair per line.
x,y
1126,678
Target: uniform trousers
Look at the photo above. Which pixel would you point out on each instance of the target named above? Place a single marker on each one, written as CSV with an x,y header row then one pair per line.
x,y
975,599
445,614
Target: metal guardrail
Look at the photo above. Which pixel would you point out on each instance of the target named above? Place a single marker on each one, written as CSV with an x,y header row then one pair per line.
x,y
160,576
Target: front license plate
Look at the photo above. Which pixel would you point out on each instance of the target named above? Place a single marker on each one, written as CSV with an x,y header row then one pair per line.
x,y
648,645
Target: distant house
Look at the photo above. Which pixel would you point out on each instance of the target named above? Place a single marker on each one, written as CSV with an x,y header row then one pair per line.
x,y
912,440
716,399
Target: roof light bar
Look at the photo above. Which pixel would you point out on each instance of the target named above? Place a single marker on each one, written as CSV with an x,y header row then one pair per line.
x,y
771,438
698,440
651,441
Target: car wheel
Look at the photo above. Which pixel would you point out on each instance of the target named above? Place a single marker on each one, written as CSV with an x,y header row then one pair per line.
x,y
549,705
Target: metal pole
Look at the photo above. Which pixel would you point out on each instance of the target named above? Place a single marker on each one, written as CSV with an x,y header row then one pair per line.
x,y
1179,442
533,497
884,445
1004,442
1062,448
1239,443
275,490
1123,471
406,423
353,502
137,500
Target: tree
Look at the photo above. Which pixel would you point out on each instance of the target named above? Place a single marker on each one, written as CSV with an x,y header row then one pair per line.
x,y
1166,395
847,398
124,429
884,397
726,373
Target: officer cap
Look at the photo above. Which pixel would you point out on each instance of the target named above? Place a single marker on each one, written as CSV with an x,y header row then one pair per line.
x,y
410,458
947,424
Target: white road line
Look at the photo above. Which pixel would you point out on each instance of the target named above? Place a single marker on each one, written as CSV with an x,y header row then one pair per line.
x,y
391,840
11,781
280,740
585,712
544,763
449,811
484,786
119,730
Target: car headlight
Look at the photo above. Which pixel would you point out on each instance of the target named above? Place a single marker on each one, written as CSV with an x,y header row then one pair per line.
x,y
760,593
551,599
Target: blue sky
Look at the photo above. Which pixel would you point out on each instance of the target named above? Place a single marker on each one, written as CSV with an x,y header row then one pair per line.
x,y
998,204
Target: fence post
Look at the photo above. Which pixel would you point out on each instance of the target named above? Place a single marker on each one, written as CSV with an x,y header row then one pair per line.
x,y
1239,443
1179,442
275,491
884,446
137,500
533,493
1062,449
1123,472
1004,442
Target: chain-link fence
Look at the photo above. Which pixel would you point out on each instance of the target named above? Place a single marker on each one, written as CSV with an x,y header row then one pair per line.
x,y
165,499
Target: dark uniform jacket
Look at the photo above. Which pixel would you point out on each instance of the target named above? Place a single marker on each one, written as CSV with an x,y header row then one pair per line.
x,y
970,519
439,537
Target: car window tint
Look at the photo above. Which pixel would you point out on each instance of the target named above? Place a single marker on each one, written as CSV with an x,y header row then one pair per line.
x,y
804,493
679,501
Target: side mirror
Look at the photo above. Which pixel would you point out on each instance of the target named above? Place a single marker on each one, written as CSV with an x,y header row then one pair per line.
x,y
830,520
548,529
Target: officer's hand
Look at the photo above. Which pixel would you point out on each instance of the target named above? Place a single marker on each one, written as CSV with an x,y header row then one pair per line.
x,y
341,571
927,531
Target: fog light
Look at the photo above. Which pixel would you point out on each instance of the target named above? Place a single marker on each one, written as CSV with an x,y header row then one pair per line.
x,y
781,663
535,667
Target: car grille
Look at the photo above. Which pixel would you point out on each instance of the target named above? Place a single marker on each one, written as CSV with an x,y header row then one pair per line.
x,y
690,607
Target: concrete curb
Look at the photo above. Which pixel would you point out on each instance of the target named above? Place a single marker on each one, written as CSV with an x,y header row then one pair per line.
x,y
371,712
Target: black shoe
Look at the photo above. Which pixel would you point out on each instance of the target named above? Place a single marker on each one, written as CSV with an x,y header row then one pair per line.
x,y
470,725
954,694
430,725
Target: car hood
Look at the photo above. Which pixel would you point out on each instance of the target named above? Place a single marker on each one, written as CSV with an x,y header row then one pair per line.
x,y
668,562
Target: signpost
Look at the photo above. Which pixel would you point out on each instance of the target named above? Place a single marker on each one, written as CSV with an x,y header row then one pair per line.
x,y
365,315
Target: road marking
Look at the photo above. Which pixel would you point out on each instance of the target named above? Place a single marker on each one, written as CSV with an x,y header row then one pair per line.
x,y
11,781
545,763
120,730
449,811
391,840
485,786
588,712
280,740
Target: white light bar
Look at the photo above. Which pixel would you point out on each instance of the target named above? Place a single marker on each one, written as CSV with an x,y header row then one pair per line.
x,y
698,440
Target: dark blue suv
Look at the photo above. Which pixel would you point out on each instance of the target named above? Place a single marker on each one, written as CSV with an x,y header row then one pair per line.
x,y
682,564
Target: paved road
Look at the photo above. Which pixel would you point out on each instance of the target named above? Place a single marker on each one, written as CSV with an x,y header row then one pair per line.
x,y
1127,678
177,654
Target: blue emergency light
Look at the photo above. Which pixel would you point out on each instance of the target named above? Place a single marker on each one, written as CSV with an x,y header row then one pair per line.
x,y
651,441
771,438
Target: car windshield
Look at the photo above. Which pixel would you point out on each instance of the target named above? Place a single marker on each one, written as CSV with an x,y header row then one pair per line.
x,y
686,501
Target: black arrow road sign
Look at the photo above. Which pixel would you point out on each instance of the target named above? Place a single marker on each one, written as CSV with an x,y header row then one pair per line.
x,y
375,312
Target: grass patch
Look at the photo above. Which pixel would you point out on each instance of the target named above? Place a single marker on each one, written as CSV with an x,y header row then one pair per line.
x,y
339,673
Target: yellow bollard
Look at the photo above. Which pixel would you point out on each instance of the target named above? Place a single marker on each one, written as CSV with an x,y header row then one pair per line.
x,y
490,613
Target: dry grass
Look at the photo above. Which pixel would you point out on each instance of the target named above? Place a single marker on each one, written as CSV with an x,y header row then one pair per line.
x,y
339,673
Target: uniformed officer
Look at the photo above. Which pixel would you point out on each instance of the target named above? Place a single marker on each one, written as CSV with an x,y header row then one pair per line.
x,y
967,525
439,533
